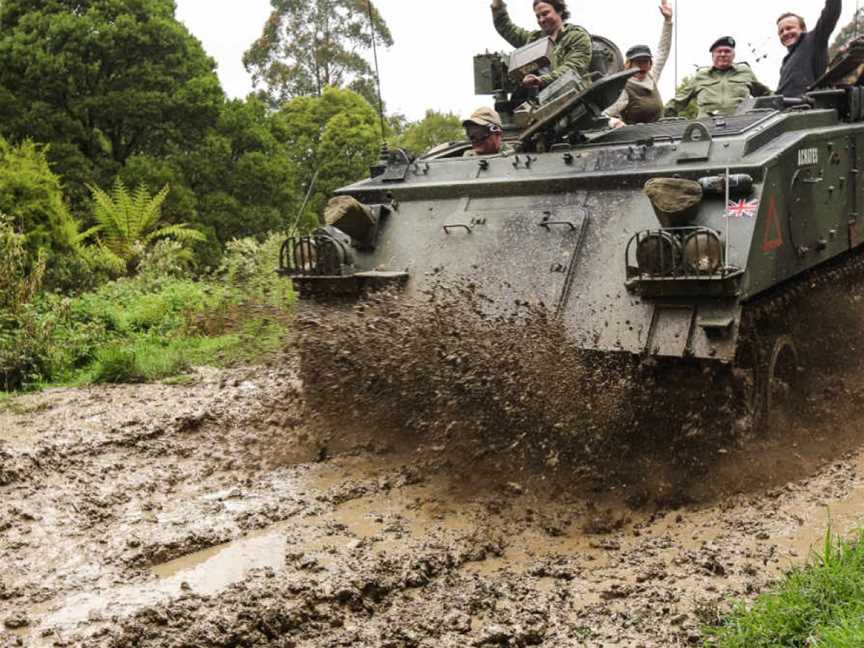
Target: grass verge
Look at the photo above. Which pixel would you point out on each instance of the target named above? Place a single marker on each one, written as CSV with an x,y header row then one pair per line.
x,y
819,606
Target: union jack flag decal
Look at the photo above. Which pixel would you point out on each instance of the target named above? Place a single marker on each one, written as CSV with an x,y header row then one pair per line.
x,y
742,208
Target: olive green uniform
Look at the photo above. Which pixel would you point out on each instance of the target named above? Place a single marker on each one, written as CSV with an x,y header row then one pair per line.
x,y
572,50
718,91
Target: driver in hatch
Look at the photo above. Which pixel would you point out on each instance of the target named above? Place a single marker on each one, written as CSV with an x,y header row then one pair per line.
x,y
484,131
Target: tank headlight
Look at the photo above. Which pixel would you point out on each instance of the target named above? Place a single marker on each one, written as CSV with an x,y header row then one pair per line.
x,y
658,253
703,252
305,255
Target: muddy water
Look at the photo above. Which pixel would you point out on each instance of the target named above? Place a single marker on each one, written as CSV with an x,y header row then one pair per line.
x,y
223,511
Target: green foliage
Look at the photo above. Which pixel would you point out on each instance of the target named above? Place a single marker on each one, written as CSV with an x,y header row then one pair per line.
x,y
331,140
821,605
150,326
117,364
19,279
849,31
251,265
127,223
434,129
22,334
101,81
166,258
31,195
308,45
240,180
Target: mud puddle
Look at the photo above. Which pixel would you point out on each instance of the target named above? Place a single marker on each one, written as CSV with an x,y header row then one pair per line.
x,y
211,513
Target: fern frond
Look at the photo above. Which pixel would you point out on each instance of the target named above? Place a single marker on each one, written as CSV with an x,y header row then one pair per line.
x,y
83,236
181,232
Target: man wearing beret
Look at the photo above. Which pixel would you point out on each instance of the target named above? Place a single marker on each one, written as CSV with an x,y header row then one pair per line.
x,y
807,55
484,131
720,88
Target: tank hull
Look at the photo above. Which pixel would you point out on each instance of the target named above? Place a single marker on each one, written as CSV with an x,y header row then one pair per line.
x,y
559,228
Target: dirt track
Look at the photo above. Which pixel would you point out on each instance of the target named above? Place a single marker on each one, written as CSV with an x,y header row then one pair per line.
x,y
222,513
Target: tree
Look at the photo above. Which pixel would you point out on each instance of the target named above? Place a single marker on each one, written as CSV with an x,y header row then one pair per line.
x,y
129,222
237,181
331,140
102,81
308,45
848,32
435,128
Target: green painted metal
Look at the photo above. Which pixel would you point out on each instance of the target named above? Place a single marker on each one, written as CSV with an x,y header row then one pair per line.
x,y
552,224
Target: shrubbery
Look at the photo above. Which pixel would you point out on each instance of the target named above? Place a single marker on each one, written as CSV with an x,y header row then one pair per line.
x,y
22,333
156,324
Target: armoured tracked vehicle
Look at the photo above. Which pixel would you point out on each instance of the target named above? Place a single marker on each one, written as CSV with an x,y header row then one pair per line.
x,y
684,242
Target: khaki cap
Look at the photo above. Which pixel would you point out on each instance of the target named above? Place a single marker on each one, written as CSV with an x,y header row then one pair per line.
x,y
484,117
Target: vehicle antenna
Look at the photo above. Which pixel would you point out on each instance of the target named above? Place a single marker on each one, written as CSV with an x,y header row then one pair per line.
x,y
857,18
728,218
292,229
377,72
677,19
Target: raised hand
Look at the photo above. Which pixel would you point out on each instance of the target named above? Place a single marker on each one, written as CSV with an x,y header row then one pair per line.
x,y
666,9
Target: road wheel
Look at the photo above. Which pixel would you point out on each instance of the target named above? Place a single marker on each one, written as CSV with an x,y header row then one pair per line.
x,y
747,395
781,384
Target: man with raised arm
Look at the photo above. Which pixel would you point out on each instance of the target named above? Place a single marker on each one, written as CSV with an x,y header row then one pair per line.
x,y
571,45
808,50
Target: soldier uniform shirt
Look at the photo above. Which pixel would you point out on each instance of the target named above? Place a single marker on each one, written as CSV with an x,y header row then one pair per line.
x,y
572,50
718,91
808,58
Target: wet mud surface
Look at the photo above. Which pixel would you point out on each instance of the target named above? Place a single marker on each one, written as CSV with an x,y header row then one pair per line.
x,y
247,508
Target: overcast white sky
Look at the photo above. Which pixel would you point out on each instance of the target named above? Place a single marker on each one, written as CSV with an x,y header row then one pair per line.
x,y
430,64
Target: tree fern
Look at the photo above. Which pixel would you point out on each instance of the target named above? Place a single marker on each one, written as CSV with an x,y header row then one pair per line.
x,y
127,223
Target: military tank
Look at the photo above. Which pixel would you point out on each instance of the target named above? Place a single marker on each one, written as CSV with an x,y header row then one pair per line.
x,y
677,243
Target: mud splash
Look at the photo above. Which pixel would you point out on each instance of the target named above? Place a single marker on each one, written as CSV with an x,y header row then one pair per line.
x,y
251,509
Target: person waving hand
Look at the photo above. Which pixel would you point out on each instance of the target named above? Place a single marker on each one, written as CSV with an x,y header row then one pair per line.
x,y
571,44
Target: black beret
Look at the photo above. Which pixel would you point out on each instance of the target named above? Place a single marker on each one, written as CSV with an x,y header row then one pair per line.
x,y
639,51
723,41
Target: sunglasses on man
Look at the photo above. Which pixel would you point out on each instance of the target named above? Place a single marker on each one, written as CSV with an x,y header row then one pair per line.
x,y
478,136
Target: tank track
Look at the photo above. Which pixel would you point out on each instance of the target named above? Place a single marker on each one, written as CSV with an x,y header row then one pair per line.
x,y
768,307
791,310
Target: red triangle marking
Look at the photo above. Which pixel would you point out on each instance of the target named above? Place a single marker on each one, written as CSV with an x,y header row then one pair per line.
x,y
773,231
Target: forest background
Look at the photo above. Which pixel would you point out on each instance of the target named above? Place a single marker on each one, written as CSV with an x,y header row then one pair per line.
x,y
141,210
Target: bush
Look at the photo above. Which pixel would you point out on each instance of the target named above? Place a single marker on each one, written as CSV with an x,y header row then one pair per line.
x,y
23,336
116,364
165,259
250,266
32,197
132,329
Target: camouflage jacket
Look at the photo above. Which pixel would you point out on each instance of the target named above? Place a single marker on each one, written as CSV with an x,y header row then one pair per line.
x,y
717,91
572,50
